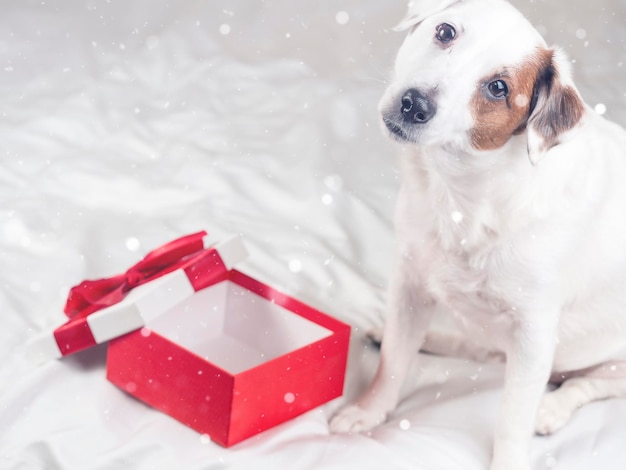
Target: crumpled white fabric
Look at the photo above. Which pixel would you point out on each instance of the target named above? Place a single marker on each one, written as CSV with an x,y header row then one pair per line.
x,y
125,124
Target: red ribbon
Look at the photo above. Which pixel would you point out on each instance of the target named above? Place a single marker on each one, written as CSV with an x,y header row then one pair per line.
x,y
93,295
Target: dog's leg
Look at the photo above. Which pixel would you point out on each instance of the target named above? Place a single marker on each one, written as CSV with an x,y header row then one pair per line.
x,y
558,406
407,321
529,359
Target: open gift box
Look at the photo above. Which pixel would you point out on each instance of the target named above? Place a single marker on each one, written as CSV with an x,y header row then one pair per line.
x,y
214,348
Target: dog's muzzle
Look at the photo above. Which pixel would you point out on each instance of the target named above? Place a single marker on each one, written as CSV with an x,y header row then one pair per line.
x,y
413,110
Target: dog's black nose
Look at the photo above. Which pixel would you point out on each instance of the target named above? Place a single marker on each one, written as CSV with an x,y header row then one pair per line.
x,y
416,107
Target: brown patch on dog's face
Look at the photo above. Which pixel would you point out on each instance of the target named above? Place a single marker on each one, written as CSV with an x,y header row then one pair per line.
x,y
504,101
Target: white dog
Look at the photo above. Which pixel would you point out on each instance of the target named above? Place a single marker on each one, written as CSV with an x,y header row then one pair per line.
x,y
511,216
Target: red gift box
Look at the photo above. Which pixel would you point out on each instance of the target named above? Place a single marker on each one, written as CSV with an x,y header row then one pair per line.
x,y
219,351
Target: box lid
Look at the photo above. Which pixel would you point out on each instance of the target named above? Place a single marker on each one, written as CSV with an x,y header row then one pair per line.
x,y
103,309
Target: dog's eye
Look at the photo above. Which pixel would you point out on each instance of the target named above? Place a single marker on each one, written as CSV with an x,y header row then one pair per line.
x,y
445,33
498,89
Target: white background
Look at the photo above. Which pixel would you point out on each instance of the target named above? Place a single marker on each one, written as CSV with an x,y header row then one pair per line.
x,y
125,124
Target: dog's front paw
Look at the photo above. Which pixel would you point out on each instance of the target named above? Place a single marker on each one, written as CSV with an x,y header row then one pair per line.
x,y
551,415
355,419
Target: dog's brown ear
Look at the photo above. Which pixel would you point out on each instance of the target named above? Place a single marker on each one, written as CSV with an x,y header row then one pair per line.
x,y
556,106
420,9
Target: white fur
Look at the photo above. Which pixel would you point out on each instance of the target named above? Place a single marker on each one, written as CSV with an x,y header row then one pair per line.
x,y
531,259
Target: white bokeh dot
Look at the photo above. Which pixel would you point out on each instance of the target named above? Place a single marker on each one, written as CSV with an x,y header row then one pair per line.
x,y
600,108
132,244
333,182
342,17
295,265
224,29
521,100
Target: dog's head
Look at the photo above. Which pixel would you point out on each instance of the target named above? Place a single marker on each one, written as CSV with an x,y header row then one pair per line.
x,y
472,74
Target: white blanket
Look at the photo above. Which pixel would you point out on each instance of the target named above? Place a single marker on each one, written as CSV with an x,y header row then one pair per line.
x,y
125,124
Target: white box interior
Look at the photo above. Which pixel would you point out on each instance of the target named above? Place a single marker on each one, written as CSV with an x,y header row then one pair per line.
x,y
235,328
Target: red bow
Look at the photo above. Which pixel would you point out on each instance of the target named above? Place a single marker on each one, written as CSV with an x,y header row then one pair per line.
x,y
91,296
